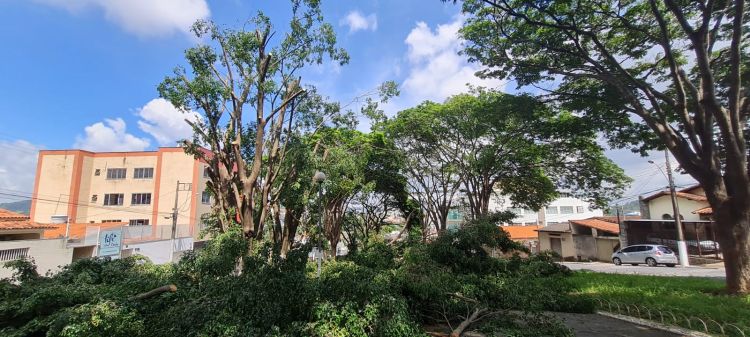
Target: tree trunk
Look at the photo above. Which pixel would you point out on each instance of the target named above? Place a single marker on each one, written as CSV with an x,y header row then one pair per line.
x,y
288,232
733,229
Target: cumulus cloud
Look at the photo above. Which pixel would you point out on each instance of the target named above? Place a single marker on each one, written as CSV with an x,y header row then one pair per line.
x,y
436,69
145,18
18,165
110,135
164,122
355,20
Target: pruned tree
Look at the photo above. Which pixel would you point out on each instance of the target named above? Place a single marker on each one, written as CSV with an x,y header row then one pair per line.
x,y
246,85
650,74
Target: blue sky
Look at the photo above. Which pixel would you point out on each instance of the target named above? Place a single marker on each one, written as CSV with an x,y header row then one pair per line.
x,y
85,75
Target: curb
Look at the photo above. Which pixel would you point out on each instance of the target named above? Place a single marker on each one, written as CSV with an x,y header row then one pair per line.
x,y
655,325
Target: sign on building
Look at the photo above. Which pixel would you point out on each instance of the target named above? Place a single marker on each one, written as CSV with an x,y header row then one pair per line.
x,y
110,242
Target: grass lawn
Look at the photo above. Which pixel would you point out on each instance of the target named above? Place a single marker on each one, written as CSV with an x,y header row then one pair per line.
x,y
690,296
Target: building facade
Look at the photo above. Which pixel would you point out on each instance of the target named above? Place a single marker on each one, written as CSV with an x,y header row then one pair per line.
x,y
560,210
137,188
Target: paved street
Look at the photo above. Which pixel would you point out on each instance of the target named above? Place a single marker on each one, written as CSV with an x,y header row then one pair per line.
x,y
646,270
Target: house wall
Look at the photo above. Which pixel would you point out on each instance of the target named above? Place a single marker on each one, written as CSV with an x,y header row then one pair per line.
x,y
158,251
605,248
67,182
48,255
663,205
568,248
533,217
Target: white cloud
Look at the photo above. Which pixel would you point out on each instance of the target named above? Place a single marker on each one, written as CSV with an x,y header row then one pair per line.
x,y
110,135
437,70
145,18
356,21
18,165
164,122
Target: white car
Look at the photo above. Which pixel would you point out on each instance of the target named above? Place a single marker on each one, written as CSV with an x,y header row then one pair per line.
x,y
651,255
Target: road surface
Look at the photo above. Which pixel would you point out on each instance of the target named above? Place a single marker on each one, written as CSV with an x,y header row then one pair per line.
x,y
602,267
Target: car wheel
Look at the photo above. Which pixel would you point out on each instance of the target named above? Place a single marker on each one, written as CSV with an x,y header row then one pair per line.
x,y
617,261
651,262
670,264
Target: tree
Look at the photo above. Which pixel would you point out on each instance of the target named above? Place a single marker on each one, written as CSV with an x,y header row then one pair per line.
x,y
674,66
431,176
494,143
248,73
366,217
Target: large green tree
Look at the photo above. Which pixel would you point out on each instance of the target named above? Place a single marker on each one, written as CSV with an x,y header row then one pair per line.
x,y
651,73
486,143
246,85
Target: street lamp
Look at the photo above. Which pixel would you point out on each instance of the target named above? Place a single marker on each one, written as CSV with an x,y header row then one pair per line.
x,y
681,247
319,178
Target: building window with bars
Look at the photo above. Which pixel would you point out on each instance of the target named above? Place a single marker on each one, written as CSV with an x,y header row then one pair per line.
x,y
113,199
143,173
112,220
138,222
206,198
13,254
552,210
116,173
205,172
141,199
579,209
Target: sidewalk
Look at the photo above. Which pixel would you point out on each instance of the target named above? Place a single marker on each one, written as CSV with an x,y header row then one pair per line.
x,y
594,325
713,271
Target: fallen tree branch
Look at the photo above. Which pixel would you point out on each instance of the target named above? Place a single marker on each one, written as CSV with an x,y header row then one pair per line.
x,y
465,324
155,292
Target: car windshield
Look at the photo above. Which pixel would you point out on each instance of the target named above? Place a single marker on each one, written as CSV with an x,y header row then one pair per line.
x,y
665,249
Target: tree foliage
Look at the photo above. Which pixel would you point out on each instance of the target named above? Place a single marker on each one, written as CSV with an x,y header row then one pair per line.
x,y
649,74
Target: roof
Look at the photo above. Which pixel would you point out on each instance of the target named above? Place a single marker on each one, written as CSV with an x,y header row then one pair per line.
x,y
691,188
558,227
684,195
613,218
704,211
12,220
6,215
598,224
522,232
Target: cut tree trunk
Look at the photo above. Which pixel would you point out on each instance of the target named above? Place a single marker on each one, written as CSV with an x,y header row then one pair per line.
x,y
733,229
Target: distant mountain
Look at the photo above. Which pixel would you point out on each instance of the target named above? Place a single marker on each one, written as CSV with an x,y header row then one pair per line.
x,y
22,206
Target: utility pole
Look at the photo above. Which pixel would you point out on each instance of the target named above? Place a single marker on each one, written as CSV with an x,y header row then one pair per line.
x,y
186,187
681,247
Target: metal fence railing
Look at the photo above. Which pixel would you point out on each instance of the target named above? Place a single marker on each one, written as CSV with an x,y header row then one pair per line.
x,y
664,316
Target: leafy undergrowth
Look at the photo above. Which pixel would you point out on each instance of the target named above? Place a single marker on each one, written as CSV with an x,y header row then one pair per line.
x,y
380,291
689,296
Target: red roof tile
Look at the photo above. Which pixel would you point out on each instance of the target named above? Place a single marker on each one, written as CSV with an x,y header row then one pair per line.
x,y
522,232
689,196
704,211
598,224
8,215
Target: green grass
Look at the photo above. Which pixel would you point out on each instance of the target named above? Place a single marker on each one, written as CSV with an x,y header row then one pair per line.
x,y
689,296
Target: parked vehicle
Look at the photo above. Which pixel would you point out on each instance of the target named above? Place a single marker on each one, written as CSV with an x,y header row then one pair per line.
x,y
651,255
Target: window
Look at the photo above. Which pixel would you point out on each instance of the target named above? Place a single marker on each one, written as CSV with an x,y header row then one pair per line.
x,y
140,199
206,198
94,198
566,209
13,254
113,199
143,173
516,211
665,249
552,210
205,171
631,249
666,216
116,173
454,215
644,248
97,172
138,222
579,209
105,221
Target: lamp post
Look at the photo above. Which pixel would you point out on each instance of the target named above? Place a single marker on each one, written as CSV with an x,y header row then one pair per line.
x,y
319,178
681,247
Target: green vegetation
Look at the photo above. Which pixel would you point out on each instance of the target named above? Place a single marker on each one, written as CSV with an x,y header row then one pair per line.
x,y
383,290
691,296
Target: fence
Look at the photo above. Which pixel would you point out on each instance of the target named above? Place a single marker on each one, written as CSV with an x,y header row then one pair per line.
x,y
664,316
